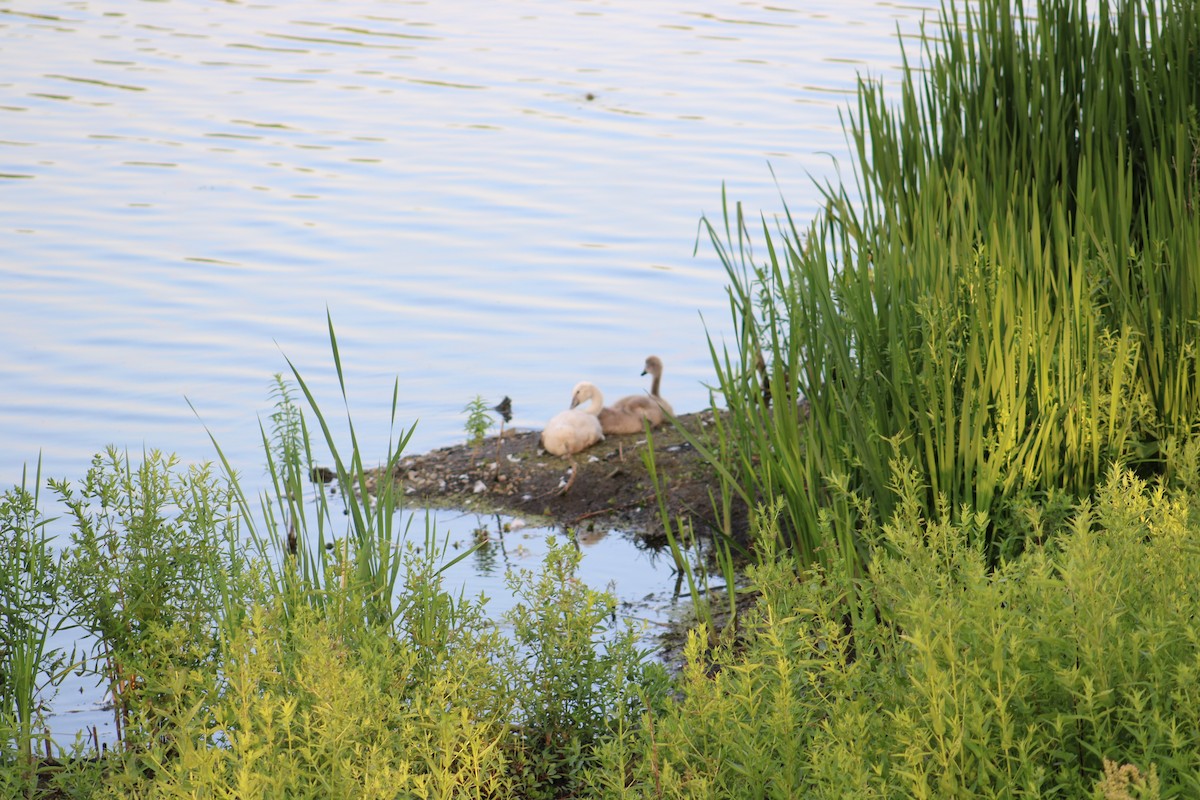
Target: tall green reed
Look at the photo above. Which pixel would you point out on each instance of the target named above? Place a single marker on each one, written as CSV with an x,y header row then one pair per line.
x,y
347,560
1089,113
1007,298
30,666
681,540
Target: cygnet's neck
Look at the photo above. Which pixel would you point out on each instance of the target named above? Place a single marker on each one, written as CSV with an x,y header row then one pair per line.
x,y
586,390
597,402
655,372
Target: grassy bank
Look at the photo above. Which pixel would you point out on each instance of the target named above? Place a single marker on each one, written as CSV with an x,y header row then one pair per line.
x,y
1071,671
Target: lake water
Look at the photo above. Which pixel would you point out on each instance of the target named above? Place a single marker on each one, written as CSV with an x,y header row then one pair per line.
x,y
488,199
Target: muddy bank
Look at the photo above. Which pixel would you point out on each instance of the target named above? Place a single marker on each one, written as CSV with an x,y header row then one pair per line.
x,y
613,488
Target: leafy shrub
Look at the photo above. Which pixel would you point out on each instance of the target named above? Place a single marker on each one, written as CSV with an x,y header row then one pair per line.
x,y
299,705
306,712
155,552
1034,679
577,680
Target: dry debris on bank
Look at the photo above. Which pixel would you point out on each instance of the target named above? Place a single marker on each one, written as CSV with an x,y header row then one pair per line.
x,y
613,488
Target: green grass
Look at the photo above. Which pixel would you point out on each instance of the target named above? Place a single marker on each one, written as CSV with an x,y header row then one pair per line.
x,y
330,554
1068,671
30,668
1008,297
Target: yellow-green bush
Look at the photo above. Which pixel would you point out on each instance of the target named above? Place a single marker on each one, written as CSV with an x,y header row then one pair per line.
x,y
1042,678
305,712
301,703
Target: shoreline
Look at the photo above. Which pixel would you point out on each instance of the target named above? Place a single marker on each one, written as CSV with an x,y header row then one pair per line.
x,y
513,475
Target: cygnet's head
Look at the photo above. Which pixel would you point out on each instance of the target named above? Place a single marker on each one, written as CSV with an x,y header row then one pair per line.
x,y
583,391
653,366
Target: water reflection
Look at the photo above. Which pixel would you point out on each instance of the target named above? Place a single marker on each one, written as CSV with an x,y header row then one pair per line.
x,y
639,576
641,579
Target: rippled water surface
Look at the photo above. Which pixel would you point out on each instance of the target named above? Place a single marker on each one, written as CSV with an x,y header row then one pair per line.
x,y
487,198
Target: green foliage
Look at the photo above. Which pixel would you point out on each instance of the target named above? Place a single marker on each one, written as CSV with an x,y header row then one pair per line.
x,y
297,703
478,420
1008,299
29,599
1068,671
1036,679
155,550
329,666
306,710
579,681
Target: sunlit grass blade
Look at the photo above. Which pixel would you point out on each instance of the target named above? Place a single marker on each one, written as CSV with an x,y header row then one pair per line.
x,y
1008,296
